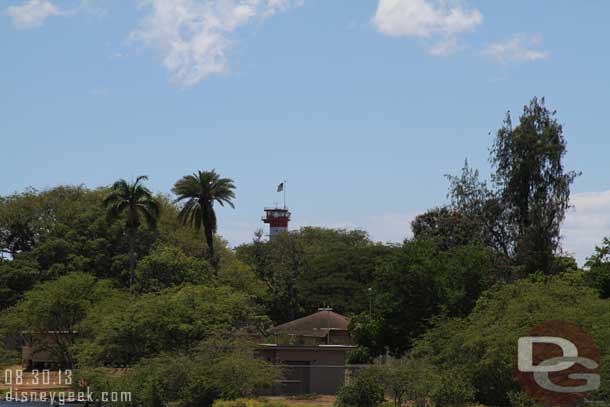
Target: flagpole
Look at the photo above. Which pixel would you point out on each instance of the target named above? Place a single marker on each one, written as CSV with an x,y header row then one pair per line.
x,y
284,194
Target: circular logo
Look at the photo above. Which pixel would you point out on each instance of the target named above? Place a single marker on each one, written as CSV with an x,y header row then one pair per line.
x,y
557,363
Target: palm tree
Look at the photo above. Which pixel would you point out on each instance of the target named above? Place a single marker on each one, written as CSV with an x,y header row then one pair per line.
x,y
201,190
137,200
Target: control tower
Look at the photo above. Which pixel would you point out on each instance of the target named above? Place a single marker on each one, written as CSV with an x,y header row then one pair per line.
x,y
278,219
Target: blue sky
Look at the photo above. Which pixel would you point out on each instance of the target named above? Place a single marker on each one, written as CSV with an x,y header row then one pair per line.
x,y
362,106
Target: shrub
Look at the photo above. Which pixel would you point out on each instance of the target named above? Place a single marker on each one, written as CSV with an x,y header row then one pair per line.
x,y
520,399
359,356
482,345
453,390
216,369
364,390
409,380
243,402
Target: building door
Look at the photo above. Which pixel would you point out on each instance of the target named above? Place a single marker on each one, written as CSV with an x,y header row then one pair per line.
x,y
297,377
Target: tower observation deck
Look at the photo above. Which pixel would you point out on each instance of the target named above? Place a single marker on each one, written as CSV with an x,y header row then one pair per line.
x,y
278,219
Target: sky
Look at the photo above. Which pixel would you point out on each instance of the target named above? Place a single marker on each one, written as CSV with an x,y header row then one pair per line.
x,y
362,106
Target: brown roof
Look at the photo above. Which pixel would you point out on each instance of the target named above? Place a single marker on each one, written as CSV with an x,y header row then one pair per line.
x,y
317,324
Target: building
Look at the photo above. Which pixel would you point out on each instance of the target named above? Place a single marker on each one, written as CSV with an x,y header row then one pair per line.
x,y
278,219
313,351
48,350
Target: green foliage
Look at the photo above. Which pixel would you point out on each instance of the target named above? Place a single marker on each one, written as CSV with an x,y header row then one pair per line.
x,y
365,389
123,329
447,227
521,399
532,184
314,267
482,345
359,356
135,201
218,368
9,357
416,283
168,266
16,277
55,306
409,380
597,273
475,214
47,234
242,402
200,191
452,389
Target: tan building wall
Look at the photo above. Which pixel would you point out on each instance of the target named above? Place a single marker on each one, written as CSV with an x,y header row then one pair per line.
x,y
316,369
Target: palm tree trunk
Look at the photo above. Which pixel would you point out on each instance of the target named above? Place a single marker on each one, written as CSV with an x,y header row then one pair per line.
x,y
208,230
209,237
132,256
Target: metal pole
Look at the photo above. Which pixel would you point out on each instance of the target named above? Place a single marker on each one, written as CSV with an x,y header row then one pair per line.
x,y
284,194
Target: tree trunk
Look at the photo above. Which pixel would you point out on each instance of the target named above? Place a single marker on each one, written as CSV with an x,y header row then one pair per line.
x,y
208,230
132,257
209,237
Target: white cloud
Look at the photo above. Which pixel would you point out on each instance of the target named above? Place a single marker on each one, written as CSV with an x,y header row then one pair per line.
x,y
194,36
587,223
439,21
519,48
32,13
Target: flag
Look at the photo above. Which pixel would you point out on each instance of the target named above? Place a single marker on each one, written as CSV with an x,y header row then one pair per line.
x,y
280,187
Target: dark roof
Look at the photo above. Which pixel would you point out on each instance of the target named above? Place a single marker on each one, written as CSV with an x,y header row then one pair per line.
x,y
317,324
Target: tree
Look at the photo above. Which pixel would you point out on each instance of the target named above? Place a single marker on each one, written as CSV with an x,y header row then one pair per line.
x,y
416,283
201,190
597,273
218,368
532,184
123,329
363,390
481,346
417,382
136,200
481,210
18,216
314,267
166,266
52,311
447,227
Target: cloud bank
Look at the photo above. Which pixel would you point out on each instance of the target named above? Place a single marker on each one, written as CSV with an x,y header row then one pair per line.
x,y
32,13
587,223
519,48
195,36
438,22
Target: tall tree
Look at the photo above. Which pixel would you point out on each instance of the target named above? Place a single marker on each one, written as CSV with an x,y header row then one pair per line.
x,y
201,190
137,201
533,184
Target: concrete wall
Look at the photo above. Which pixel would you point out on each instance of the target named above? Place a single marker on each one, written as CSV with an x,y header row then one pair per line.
x,y
324,368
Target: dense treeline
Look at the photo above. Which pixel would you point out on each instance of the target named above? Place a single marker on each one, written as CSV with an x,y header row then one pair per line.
x,y
146,282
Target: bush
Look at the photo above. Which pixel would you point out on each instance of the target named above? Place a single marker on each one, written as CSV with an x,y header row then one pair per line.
x,y
482,345
453,390
410,380
359,356
248,403
216,369
9,358
520,399
364,390
122,330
